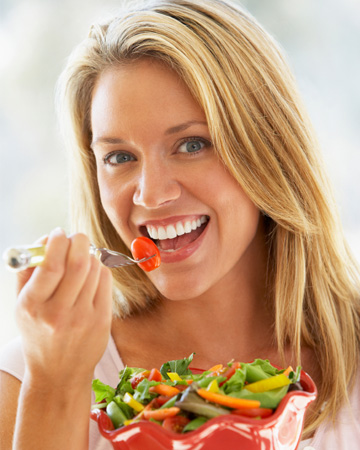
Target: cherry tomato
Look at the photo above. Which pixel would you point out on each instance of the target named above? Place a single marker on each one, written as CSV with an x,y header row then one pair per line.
x,y
230,372
182,387
176,423
159,401
141,247
136,379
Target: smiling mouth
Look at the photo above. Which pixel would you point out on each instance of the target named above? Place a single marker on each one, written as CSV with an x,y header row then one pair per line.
x,y
174,237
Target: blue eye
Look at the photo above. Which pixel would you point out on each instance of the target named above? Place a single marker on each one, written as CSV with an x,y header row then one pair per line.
x,y
115,158
193,145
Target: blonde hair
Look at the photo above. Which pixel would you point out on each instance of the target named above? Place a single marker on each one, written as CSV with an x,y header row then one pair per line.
x,y
258,125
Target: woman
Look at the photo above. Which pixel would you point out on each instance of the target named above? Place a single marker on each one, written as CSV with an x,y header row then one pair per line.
x,y
176,113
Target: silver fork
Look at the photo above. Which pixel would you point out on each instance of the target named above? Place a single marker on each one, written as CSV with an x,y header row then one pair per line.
x,y
20,258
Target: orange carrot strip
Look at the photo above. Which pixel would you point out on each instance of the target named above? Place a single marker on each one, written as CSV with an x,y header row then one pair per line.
x,y
161,414
164,389
226,400
287,371
215,368
141,413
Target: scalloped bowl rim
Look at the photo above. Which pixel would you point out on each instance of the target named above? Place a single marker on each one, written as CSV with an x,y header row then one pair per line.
x,y
306,381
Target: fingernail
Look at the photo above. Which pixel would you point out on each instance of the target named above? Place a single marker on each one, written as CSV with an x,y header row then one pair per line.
x,y
58,231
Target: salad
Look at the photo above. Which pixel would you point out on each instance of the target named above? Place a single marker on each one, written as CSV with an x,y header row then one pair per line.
x,y
181,400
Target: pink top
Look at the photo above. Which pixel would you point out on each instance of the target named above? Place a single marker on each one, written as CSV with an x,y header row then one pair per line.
x,y
344,434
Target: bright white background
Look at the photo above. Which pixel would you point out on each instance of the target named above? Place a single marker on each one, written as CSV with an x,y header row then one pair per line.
x,y
321,39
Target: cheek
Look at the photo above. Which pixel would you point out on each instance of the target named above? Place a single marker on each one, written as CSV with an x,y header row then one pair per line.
x,y
240,216
114,203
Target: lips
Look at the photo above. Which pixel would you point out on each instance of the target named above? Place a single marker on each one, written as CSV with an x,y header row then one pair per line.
x,y
170,237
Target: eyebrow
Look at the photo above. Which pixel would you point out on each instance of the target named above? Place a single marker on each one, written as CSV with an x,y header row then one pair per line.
x,y
184,126
106,140
169,131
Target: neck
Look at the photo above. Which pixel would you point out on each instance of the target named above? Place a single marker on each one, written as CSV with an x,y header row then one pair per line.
x,y
230,321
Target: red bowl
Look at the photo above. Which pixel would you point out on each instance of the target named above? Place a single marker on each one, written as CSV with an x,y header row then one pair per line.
x,y
281,431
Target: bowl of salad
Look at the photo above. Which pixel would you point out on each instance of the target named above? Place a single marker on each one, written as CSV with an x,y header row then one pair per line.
x,y
251,406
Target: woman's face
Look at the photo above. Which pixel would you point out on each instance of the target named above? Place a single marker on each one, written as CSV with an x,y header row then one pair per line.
x,y
159,176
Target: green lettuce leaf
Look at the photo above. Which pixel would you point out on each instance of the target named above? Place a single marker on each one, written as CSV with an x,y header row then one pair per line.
x,y
180,366
205,381
103,392
236,382
142,393
259,369
190,401
268,399
125,377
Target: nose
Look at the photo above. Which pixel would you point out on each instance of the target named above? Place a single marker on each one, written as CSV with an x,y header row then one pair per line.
x,y
156,185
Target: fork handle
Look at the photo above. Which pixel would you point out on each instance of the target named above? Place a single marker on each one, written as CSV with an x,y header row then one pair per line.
x,y
20,258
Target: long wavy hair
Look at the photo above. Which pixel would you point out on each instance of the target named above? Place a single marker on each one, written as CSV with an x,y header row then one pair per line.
x,y
258,125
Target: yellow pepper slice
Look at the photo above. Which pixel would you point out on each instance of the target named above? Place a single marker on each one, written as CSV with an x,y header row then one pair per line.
x,y
174,376
213,386
134,404
268,384
130,421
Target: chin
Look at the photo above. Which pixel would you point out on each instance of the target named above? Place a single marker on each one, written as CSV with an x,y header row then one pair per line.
x,y
180,291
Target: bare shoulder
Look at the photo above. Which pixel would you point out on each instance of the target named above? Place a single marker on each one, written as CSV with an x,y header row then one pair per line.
x,y
10,389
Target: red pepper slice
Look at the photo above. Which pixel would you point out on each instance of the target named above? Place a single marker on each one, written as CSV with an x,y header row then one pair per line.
x,y
253,412
155,375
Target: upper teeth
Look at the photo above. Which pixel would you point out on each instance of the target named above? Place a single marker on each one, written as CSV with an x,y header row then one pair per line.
x,y
178,229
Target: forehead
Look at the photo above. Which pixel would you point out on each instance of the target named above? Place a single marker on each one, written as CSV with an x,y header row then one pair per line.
x,y
145,91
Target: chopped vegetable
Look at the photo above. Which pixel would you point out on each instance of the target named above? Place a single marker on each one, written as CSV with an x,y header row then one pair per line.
x,y
164,389
174,376
213,386
155,375
191,402
180,366
274,382
216,368
134,404
195,424
137,378
253,412
181,401
102,391
288,371
176,423
161,414
143,247
116,415
226,400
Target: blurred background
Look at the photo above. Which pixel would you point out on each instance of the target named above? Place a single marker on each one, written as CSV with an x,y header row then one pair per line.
x,y
321,39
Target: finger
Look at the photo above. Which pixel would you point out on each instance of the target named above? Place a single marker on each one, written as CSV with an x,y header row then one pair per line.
x,y
89,288
77,268
24,275
103,297
46,278
22,278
